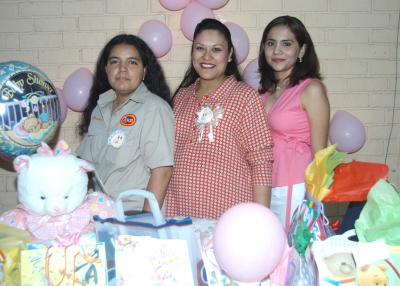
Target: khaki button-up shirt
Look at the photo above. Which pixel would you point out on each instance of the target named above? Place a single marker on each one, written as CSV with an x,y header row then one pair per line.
x,y
125,145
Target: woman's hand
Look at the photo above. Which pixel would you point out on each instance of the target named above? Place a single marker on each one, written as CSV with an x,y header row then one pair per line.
x,y
158,184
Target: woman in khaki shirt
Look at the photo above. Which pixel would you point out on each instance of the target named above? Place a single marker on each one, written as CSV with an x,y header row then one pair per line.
x,y
128,126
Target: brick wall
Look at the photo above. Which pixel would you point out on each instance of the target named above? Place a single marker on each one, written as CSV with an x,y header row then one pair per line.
x,y
355,40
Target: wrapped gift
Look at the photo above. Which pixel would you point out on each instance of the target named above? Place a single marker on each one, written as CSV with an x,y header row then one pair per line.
x,y
74,265
12,240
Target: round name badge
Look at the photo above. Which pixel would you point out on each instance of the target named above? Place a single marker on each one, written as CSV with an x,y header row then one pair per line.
x,y
128,119
116,139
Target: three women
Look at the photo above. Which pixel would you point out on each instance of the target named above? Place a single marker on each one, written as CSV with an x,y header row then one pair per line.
x,y
223,152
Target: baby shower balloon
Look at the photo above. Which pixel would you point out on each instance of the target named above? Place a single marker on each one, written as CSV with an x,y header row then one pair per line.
x,y
76,90
251,75
157,36
240,41
191,16
249,241
63,105
29,109
347,132
213,4
174,5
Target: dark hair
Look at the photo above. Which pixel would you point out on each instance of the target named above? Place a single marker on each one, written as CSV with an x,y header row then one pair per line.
x,y
154,77
309,67
231,68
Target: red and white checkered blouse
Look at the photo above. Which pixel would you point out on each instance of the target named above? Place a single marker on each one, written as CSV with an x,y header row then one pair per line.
x,y
212,175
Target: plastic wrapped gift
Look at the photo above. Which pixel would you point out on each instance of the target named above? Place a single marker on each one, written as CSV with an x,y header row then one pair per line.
x,y
309,222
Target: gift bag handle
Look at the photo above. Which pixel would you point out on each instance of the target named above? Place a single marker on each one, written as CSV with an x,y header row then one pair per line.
x,y
155,209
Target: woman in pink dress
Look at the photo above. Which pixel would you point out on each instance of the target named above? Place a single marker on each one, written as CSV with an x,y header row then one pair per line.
x,y
223,153
297,108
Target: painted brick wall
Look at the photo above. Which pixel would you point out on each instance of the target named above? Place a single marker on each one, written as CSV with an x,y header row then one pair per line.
x,y
355,40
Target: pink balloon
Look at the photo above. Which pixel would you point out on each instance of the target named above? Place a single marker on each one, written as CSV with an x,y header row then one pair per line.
x,y
76,90
63,105
191,16
157,35
251,75
249,241
174,5
213,4
347,132
240,41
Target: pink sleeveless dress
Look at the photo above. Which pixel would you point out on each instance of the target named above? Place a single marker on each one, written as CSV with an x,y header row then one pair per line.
x,y
292,150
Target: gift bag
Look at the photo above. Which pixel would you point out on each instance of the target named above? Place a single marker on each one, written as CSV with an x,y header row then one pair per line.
x,y
301,269
380,217
12,241
309,222
148,261
145,224
310,216
74,265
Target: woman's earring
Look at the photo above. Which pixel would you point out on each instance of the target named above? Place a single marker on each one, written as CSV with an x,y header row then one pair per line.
x,y
229,60
300,59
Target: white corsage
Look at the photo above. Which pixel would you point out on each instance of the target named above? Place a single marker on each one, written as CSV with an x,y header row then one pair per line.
x,y
207,116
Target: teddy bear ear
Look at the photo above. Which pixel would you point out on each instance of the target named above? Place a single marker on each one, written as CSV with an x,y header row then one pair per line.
x,y
382,267
364,268
85,166
21,162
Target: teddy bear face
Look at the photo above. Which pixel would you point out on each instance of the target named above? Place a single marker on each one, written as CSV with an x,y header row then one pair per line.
x,y
341,264
373,275
52,185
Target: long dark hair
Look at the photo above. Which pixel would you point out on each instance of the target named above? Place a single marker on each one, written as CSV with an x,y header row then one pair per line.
x,y
231,68
154,76
309,67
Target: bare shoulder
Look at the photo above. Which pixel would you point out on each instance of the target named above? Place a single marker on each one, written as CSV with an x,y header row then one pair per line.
x,y
314,93
314,88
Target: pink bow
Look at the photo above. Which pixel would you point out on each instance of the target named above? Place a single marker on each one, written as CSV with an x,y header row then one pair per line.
x,y
65,229
61,148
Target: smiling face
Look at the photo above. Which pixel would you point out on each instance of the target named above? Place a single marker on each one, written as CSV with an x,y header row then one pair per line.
x,y
125,70
210,56
282,50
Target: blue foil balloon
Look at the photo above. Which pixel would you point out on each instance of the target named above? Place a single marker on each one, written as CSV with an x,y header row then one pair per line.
x,y
29,109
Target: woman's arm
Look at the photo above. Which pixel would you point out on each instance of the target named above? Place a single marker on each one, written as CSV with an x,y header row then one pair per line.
x,y
158,184
262,195
315,102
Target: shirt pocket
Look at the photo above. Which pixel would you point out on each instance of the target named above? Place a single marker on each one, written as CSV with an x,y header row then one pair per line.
x,y
97,139
125,154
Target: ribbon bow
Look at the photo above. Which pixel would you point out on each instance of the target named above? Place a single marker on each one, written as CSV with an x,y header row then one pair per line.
x,y
65,229
61,148
207,116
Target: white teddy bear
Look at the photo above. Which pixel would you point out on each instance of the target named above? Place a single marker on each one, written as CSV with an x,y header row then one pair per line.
x,y
52,189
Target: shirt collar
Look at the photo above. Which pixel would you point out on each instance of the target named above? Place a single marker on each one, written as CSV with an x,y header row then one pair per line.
x,y
139,95
227,82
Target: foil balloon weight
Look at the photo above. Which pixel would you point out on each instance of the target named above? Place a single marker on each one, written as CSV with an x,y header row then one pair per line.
x,y
29,109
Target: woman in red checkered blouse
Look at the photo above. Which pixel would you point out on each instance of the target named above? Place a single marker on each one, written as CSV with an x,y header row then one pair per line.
x,y
223,152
